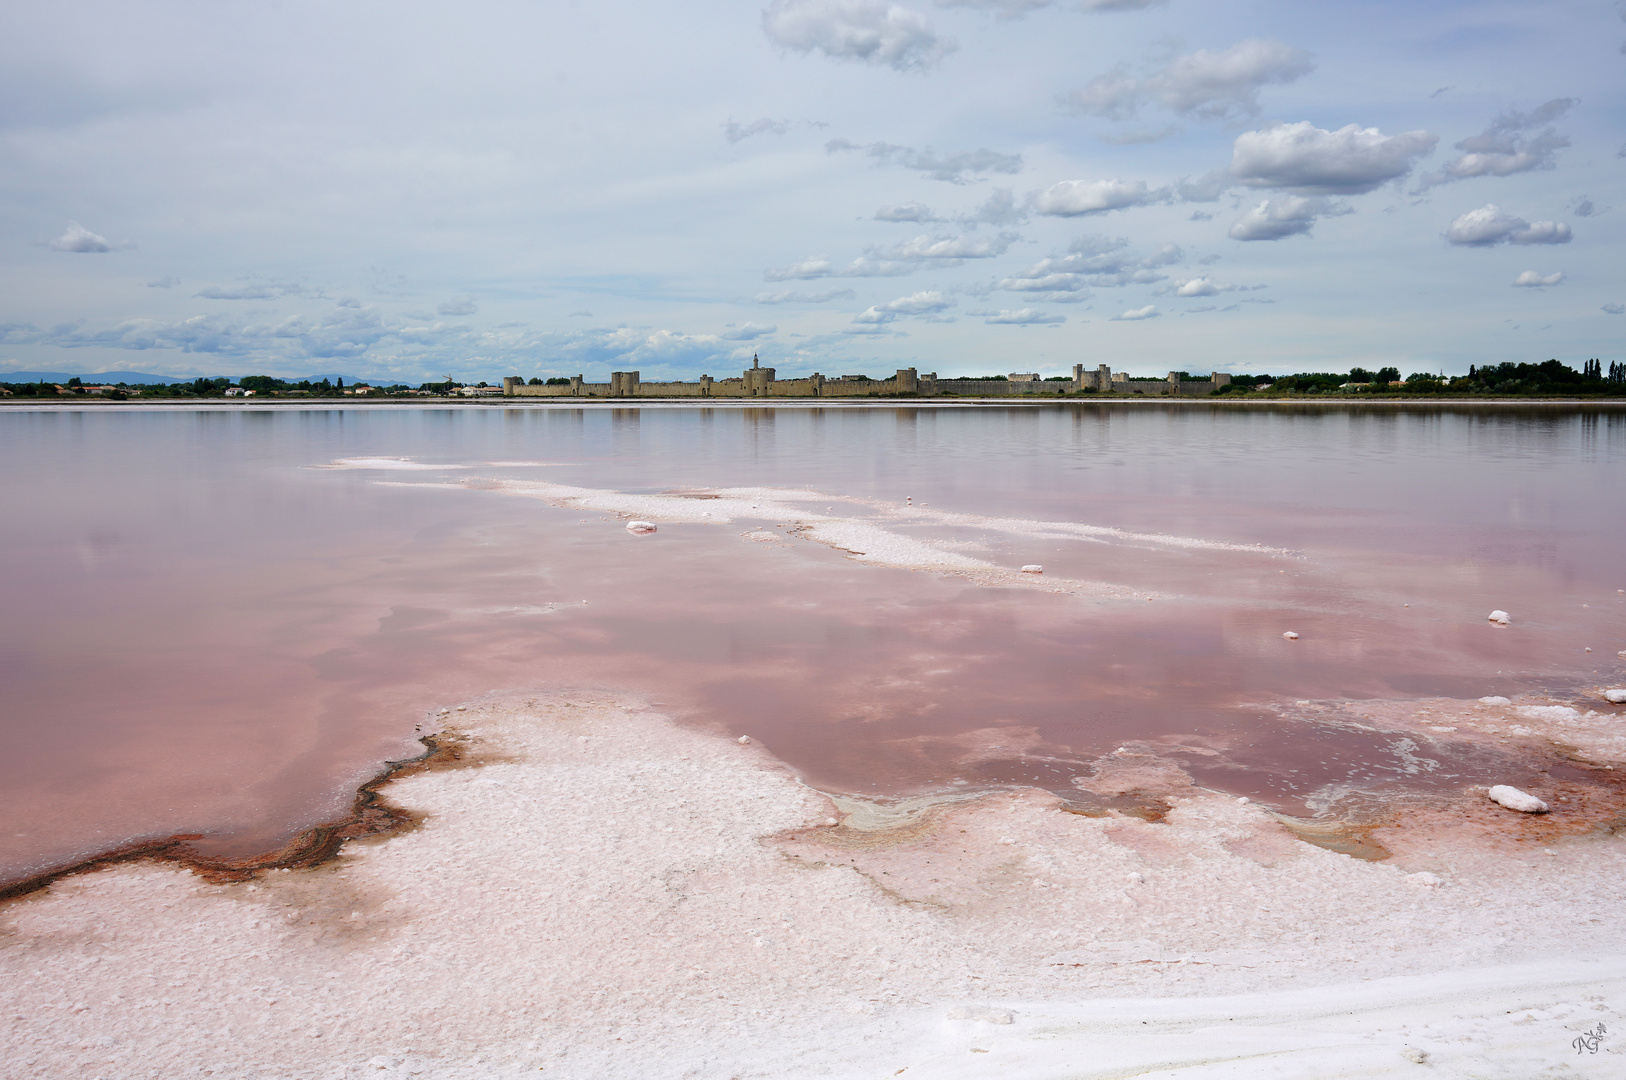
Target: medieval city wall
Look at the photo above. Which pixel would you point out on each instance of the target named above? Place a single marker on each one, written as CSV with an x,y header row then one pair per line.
x,y
759,382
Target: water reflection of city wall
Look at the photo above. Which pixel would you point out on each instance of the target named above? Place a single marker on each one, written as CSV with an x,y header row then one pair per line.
x,y
759,382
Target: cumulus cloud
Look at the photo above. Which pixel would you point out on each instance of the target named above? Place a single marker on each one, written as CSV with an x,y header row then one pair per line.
x,y
80,241
1509,145
1020,317
998,209
819,266
1148,312
463,305
950,247
1073,198
1489,226
1208,85
1205,188
918,304
1201,286
749,331
1614,309
1532,280
1303,158
804,298
1283,215
866,31
734,131
906,212
951,167
1093,260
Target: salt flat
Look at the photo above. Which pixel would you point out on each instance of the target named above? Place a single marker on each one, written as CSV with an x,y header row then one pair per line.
x,y
601,893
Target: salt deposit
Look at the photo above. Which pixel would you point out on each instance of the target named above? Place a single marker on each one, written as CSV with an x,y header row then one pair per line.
x,y
1494,700
1500,618
1032,568
1291,635
651,903
1616,696
640,527
1514,799
863,532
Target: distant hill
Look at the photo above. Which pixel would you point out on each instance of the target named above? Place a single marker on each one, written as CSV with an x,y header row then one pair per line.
x,y
99,377
139,377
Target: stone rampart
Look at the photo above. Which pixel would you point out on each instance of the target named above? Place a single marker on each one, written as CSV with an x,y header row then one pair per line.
x,y
760,382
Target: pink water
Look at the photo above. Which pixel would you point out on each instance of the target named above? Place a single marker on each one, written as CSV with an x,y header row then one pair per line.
x,y
205,633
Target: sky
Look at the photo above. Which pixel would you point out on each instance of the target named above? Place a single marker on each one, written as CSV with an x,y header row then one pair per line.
x,y
405,190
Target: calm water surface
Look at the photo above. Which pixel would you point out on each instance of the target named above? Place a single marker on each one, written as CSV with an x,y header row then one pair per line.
x,y
206,633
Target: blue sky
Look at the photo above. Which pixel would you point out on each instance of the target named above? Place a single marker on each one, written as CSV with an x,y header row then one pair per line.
x,y
962,186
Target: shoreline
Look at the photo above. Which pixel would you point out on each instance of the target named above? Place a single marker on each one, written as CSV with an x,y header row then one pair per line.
x,y
795,403
600,892
371,816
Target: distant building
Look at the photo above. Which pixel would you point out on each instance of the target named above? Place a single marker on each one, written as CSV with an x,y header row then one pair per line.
x,y
1024,376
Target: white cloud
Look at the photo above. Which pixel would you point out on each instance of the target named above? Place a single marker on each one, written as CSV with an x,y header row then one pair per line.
x,y
1148,312
1205,188
80,240
804,298
164,282
1208,85
734,131
818,266
951,247
1201,286
1488,226
867,31
1532,280
1507,146
1614,309
1098,261
749,331
920,303
1303,158
1020,317
951,168
1072,198
998,209
1282,216
814,266
463,305
906,212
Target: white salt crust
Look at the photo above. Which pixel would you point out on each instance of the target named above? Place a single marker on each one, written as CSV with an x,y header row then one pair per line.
x,y
613,896
866,530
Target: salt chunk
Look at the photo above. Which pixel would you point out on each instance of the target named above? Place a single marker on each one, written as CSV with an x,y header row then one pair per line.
x,y
1500,618
1425,879
830,823
1494,700
1291,636
744,740
1514,799
1617,697
1412,1054
1032,568
641,528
